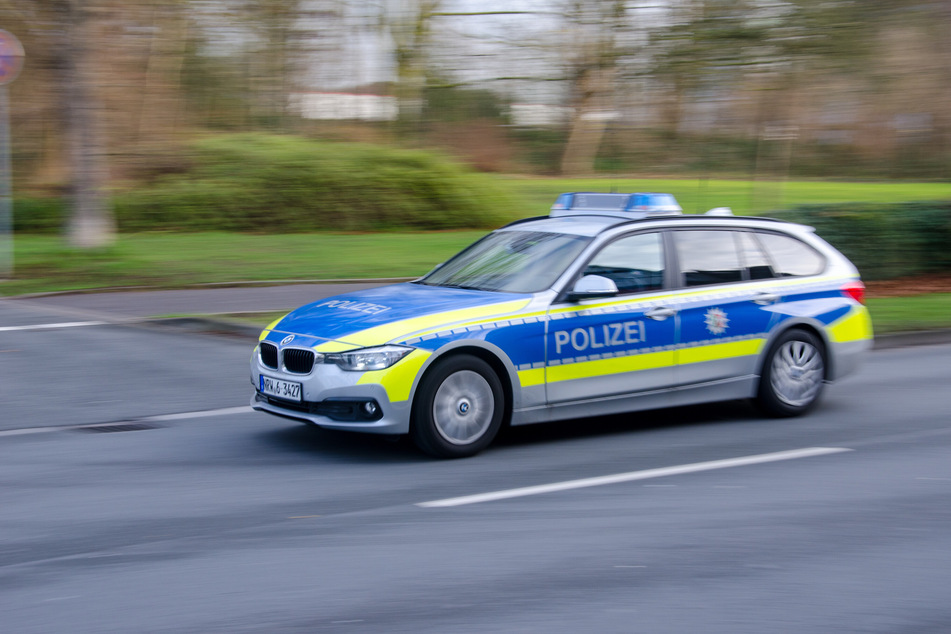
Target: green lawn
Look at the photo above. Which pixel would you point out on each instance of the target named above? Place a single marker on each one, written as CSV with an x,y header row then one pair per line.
x,y
168,260
164,260
918,312
744,197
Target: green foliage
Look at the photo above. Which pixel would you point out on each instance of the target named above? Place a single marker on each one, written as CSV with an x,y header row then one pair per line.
x,y
269,184
450,103
884,241
744,197
38,215
540,149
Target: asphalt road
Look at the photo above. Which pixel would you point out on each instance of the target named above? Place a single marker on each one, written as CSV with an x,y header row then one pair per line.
x,y
194,516
194,301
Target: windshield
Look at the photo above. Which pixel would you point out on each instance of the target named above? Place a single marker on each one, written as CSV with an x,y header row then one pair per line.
x,y
511,261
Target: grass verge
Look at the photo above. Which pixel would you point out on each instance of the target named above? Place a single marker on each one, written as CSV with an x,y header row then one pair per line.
x,y
174,260
904,314
744,197
170,260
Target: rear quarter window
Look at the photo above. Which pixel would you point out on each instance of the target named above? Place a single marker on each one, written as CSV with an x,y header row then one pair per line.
x,y
791,257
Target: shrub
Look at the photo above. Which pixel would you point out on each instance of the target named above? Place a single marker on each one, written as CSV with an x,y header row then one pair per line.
x,y
884,241
267,183
287,184
38,215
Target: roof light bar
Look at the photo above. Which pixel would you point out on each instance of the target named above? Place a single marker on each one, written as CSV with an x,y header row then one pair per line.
x,y
632,206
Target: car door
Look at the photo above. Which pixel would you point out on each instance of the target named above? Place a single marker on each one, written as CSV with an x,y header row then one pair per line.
x,y
599,348
727,292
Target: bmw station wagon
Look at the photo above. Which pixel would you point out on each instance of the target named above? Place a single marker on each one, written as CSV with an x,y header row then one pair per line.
x,y
612,303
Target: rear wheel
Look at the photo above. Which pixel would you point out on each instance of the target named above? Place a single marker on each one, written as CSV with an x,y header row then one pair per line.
x,y
793,374
458,408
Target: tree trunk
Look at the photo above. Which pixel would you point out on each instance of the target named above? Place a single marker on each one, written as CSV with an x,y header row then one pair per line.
x,y
91,223
589,122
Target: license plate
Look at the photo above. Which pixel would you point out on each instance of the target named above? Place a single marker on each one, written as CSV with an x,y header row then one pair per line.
x,y
288,390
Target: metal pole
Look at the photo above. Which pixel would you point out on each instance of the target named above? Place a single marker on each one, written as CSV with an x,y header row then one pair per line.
x,y
6,202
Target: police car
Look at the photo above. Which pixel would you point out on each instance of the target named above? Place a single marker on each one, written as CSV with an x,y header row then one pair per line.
x,y
612,303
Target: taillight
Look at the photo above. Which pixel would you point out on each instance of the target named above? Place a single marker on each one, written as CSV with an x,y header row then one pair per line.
x,y
855,290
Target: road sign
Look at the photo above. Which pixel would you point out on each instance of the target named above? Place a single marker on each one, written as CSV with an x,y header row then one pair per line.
x,y
11,61
11,57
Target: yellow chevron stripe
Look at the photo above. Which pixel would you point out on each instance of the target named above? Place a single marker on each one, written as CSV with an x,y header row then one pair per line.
x,y
531,378
405,328
717,351
270,327
615,365
679,294
334,346
854,326
398,379
647,361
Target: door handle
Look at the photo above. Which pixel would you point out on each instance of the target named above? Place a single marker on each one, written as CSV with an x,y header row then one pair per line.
x,y
660,313
764,299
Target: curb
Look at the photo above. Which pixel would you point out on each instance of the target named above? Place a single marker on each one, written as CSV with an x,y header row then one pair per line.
x,y
916,338
205,326
210,285
210,326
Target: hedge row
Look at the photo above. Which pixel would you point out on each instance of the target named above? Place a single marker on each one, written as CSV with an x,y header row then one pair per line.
x,y
884,241
280,184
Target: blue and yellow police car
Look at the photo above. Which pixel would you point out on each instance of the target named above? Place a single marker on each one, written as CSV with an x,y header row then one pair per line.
x,y
611,303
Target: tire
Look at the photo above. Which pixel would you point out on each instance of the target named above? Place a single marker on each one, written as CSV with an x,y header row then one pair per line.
x,y
458,408
793,375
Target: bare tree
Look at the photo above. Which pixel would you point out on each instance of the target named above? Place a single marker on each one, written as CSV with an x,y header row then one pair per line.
x,y
409,24
91,222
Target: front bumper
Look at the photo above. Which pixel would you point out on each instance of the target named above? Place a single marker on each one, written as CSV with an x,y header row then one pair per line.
x,y
327,392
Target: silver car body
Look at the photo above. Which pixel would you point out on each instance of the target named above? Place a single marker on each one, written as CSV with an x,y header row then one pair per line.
x,y
560,358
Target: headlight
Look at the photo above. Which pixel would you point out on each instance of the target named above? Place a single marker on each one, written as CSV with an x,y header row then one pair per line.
x,y
368,358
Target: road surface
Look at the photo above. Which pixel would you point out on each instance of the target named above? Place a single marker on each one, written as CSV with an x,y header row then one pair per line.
x,y
139,494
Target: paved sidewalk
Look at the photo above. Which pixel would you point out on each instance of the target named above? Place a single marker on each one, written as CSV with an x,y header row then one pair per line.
x,y
200,301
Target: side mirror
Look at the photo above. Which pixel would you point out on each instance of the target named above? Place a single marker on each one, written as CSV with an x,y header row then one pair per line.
x,y
592,287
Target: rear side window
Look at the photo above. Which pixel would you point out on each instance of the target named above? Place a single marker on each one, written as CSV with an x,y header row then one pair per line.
x,y
757,264
708,257
790,257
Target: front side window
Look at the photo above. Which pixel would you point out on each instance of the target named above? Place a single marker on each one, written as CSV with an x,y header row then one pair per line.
x,y
634,263
511,261
708,257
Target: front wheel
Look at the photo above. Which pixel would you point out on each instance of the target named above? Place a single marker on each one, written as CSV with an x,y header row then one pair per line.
x,y
793,374
458,408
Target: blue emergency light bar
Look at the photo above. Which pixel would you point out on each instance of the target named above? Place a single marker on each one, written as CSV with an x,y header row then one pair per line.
x,y
632,206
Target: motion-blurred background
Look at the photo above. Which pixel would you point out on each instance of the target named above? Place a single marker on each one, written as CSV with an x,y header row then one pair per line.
x,y
293,116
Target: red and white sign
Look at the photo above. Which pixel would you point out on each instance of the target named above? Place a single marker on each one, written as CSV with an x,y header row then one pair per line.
x,y
11,57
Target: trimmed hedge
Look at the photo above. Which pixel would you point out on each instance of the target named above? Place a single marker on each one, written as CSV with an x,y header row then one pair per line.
x,y
284,184
38,215
884,241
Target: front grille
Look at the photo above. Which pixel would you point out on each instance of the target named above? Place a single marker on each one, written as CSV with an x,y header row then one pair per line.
x,y
298,361
269,355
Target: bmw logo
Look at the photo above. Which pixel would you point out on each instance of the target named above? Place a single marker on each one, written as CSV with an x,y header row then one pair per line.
x,y
286,340
463,407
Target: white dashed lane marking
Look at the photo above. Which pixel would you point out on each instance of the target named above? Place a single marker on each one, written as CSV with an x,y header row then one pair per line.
x,y
67,324
161,418
632,476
